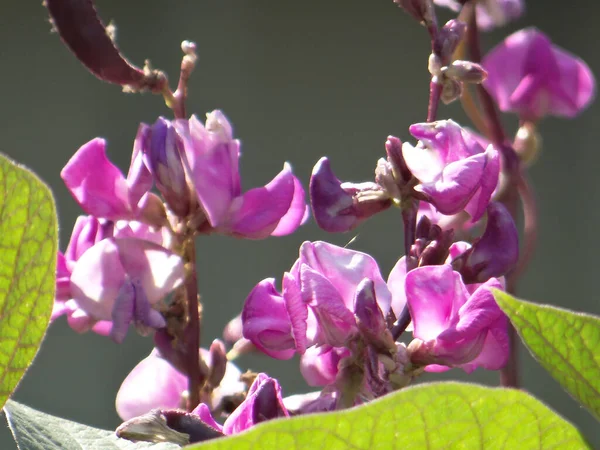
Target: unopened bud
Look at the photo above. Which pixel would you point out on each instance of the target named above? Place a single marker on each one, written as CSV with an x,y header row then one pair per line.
x,y
218,363
369,317
466,71
451,91
528,143
448,38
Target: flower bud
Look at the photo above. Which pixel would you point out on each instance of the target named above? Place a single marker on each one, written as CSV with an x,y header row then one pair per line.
x,y
451,91
447,40
369,317
466,71
218,363
528,143
341,206
164,157
495,253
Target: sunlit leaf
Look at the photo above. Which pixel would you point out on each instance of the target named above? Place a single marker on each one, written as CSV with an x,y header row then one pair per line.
x,y
566,343
28,241
431,416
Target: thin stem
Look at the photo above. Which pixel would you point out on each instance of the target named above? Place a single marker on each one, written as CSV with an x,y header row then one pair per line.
x,y
191,334
409,218
509,374
435,93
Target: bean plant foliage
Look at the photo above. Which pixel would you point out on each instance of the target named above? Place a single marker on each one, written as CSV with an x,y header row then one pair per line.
x,y
362,337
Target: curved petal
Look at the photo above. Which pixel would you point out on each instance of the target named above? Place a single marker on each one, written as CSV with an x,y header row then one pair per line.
x,y
335,321
396,284
97,279
213,156
159,270
266,323
478,204
331,205
434,295
96,184
257,213
153,383
297,215
345,269
456,185
319,365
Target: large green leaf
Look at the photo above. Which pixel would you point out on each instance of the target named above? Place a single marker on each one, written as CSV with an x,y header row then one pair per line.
x,y
34,430
28,241
566,343
432,416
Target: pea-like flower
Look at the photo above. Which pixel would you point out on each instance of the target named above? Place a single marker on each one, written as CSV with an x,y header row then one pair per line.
x,y
455,172
491,13
113,275
317,304
540,79
455,325
209,179
155,383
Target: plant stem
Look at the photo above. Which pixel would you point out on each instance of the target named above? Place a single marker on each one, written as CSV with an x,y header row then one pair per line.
x,y
191,333
435,93
509,374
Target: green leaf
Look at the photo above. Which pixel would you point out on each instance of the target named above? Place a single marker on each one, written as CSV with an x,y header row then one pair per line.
x,y
432,416
35,430
566,343
28,241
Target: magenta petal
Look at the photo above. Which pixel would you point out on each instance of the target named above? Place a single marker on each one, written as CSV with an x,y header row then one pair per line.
x,y
434,295
395,284
319,365
153,383
496,348
257,213
297,215
213,157
96,184
266,323
139,178
577,81
345,269
457,184
478,204
203,411
331,205
336,322
297,310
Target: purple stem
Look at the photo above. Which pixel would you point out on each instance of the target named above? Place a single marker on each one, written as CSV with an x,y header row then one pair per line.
x,y
509,374
191,334
435,93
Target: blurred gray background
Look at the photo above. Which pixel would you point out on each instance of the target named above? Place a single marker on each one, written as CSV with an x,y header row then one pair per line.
x,y
298,80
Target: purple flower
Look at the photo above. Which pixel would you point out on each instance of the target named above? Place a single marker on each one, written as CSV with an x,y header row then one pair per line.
x,y
455,325
341,206
541,78
491,13
319,365
99,186
263,402
455,172
494,254
113,275
317,303
155,383
276,209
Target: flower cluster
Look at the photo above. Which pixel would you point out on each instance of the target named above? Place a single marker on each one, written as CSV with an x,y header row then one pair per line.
x,y
131,260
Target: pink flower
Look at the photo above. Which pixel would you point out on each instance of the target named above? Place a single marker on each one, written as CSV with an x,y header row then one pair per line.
x,y
317,304
455,325
276,209
113,275
531,77
155,383
455,172
99,186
